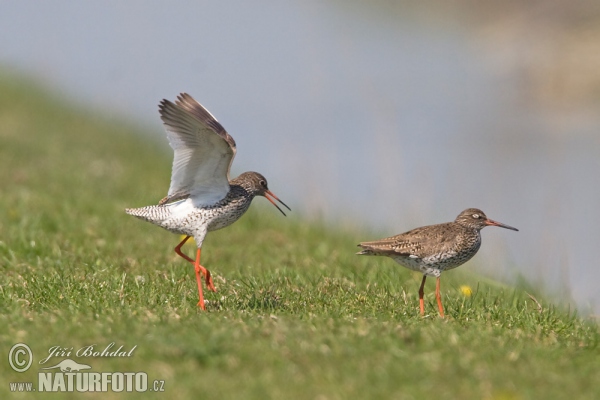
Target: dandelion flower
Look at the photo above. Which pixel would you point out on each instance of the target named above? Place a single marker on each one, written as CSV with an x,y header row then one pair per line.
x,y
191,240
466,290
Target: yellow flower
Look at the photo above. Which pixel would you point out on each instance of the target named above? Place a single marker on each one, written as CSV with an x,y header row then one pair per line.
x,y
466,290
190,240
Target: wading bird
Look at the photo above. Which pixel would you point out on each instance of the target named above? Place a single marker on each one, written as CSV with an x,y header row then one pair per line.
x,y
435,248
201,197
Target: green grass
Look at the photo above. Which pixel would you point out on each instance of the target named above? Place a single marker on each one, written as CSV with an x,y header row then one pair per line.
x,y
297,314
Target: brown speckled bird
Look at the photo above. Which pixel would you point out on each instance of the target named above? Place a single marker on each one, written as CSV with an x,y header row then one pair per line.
x,y
435,248
201,197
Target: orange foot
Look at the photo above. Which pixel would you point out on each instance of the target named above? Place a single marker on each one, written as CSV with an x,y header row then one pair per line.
x,y
199,269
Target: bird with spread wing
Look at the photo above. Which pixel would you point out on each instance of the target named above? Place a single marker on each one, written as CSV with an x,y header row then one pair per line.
x,y
202,197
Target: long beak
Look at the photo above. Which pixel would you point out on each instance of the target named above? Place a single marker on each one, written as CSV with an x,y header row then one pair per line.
x,y
269,193
494,223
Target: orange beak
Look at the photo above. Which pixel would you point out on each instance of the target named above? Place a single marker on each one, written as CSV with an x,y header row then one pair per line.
x,y
269,193
494,223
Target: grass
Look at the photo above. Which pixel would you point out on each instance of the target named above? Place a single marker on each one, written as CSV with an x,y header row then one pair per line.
x,y
297,314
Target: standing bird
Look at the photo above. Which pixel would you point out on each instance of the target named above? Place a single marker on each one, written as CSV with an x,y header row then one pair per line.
x,y
201,197
435,248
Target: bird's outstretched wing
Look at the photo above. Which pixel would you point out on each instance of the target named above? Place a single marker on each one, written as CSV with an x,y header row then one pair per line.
x,y
203,151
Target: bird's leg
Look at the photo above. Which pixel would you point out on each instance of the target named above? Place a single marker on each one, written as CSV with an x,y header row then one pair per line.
x,y
199,281
439,297
421,292
198,267
178,250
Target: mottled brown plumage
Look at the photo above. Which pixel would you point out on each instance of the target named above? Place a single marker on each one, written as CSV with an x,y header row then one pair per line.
x,y
435,248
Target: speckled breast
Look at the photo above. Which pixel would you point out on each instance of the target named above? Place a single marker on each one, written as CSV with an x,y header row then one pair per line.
x,y
220,217
434,264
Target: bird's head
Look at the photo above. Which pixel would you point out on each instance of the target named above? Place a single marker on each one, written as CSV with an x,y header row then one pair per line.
x,y
256,185
476,219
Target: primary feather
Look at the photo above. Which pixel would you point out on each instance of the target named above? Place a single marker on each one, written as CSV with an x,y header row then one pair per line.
x,y
203,152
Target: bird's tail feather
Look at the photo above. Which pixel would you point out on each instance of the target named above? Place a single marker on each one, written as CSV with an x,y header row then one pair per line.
x,y
150,213
365,251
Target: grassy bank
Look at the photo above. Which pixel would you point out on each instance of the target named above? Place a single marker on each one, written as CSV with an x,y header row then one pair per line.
x,y
296,315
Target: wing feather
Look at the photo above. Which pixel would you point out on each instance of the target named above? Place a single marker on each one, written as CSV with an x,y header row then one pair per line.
x,y
413,243
203,151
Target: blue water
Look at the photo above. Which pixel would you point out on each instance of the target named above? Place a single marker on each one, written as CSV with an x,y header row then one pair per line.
x,y
385,119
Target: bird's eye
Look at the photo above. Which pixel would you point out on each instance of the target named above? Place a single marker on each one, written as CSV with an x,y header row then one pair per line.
x,y
476,216
263,183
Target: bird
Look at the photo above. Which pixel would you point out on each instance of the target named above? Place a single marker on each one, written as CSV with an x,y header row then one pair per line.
x,y
433,249
201,196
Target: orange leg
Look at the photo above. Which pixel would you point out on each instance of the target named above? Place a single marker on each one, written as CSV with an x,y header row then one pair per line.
x,y
178,249
198,267
439,297
421,292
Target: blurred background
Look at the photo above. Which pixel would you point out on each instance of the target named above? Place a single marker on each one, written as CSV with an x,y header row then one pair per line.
x,y
383,115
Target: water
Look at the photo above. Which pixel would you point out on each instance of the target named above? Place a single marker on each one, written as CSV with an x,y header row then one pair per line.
x,y
384,119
